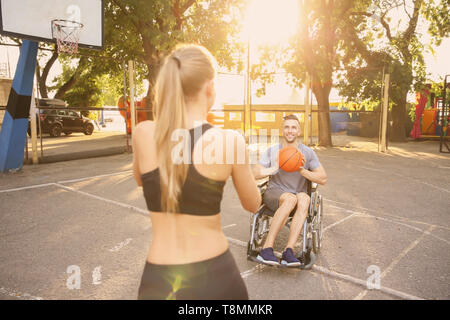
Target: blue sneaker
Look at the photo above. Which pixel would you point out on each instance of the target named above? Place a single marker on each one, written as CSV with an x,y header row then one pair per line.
x,y
288,259
266,256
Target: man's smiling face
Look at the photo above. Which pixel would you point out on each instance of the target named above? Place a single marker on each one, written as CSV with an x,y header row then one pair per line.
x,y
291,130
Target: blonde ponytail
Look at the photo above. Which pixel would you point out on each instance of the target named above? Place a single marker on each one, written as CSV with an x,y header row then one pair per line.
x,y
183,73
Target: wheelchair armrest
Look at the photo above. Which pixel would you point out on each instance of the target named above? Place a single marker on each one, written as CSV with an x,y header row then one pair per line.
x,y
263,184
314,186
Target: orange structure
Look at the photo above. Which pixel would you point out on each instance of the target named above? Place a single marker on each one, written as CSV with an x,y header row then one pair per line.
x,y
141,114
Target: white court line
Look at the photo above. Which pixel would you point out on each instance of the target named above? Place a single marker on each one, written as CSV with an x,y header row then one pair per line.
x,y
421,182
28,187
94,177
364,214
332,273
238,242
145,212
364,283
407,225
229,226
340,221
252,271
361,295
389,215
64,181
121,245
405,177
260,267
372,169
18,295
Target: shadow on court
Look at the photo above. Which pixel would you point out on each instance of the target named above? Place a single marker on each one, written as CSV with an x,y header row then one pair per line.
x,y
386,212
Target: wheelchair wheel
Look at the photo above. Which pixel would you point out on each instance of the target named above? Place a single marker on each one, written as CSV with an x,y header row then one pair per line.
x,y
317,228
260,234
261,230
308,257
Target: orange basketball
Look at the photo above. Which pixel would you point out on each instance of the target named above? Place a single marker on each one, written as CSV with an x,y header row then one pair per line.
x,y
290,159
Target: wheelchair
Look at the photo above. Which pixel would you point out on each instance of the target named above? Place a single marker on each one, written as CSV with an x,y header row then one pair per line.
x,y
311,233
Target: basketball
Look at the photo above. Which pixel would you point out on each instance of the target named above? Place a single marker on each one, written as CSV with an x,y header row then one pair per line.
x,y
290,159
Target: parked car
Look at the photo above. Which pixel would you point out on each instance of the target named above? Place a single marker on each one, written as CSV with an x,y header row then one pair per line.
x,y
57,121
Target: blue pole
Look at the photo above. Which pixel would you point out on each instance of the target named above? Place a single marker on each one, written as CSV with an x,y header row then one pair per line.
x,y
13,133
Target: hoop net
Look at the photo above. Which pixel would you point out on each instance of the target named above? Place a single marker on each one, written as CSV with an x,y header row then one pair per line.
x,y
67,35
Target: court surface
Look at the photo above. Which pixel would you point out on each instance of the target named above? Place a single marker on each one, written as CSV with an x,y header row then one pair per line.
x,y
387,212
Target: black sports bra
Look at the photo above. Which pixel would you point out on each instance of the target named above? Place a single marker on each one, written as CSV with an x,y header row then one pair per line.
x,y
199,196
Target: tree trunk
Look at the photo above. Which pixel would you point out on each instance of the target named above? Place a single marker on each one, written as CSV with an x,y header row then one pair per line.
x,y
66,86
153,61
397,131
42,78
322,96
72,80
153,69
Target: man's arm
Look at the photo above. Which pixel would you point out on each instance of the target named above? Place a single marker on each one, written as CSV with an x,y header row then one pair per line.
x,y
260,172
262,169
318,175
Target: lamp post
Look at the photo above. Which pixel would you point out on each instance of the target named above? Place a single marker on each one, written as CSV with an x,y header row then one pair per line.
x,y
247,111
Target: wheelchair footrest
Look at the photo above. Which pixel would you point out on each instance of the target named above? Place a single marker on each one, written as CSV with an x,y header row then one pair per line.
x,y
305,265
307,261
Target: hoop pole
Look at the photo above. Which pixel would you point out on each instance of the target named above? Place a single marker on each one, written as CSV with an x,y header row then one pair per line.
x,y
380,120
131,82
33,129
445,114
124,66
385,113
14,128
307,112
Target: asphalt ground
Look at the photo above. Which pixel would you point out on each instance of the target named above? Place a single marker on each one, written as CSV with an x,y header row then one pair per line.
x,y
78,146
386,212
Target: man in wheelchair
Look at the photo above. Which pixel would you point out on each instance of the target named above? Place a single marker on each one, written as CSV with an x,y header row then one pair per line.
x,y
286,194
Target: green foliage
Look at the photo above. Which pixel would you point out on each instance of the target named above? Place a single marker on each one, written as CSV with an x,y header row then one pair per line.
x,y
85,94
145,31
437,13
315,50
398,51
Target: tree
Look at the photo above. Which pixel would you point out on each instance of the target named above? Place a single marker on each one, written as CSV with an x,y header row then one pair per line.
x,y
148,30
375,44
42,73
145,31
313,51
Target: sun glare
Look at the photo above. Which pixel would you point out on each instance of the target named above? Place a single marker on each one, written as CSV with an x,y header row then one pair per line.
x,y
270,21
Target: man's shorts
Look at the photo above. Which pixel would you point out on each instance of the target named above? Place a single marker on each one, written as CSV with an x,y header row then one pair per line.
x,y
271,198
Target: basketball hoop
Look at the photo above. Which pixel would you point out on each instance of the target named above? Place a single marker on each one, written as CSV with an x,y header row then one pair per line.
x,y
67,35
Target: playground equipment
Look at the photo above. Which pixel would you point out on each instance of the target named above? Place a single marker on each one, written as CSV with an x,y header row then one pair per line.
x,y
444,117
432,115
142,111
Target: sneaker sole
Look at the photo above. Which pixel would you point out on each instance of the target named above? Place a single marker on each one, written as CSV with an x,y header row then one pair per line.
x,y
269,262
291,264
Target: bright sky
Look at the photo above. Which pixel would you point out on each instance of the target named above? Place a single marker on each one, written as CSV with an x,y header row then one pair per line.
x,y
269,22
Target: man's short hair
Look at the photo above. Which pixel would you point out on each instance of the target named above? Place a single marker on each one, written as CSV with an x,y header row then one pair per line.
x,y
292,117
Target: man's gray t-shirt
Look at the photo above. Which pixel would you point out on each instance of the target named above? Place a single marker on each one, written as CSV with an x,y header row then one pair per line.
x,y
292,182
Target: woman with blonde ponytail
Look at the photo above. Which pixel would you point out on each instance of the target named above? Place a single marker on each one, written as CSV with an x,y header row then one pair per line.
x,y
189,256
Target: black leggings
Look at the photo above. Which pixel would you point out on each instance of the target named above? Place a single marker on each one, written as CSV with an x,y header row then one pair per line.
x,y
217,278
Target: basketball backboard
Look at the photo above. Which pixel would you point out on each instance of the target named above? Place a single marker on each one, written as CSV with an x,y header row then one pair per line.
x,y
32,19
